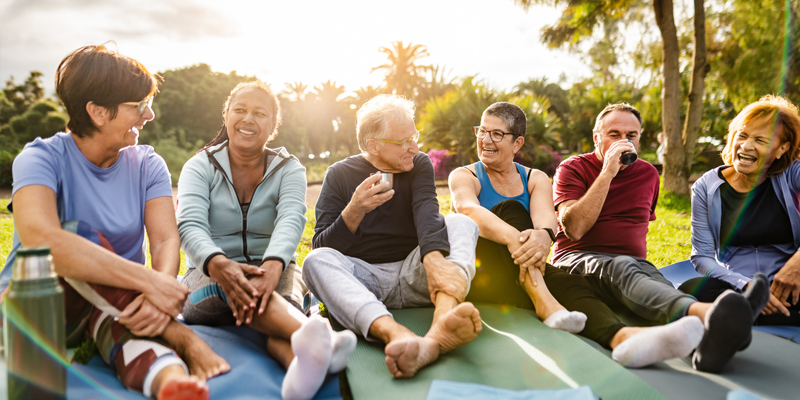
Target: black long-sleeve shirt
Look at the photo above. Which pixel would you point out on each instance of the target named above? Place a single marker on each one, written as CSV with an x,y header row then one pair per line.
x,y
390,232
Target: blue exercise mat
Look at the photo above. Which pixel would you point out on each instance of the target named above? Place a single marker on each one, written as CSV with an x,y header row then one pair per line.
x,y
253,375
449,390
682,271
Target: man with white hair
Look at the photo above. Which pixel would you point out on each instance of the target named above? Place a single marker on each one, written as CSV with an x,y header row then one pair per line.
x,y
380,245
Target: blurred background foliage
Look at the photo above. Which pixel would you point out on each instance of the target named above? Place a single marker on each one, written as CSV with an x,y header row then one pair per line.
x,y
753,50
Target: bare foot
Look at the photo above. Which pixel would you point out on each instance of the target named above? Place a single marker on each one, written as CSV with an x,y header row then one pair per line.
x,y
182,387
201,360
405,356
457,327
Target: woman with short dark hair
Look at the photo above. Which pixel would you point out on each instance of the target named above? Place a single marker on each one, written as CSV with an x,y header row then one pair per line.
x,y
96,182
745,218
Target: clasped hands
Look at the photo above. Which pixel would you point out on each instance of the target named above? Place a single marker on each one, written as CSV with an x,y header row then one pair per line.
x,y
247,287
531,250
151,311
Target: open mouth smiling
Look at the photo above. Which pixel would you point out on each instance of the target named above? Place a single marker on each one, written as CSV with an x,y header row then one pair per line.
x,y
746,159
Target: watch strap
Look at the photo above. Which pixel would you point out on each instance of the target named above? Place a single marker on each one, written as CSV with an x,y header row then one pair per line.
x,y
551,233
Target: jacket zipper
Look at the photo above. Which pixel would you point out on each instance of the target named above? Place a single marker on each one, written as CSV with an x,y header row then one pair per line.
x,y
244,230
244,214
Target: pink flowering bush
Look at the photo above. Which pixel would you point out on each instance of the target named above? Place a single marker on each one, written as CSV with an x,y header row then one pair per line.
x,y
442,161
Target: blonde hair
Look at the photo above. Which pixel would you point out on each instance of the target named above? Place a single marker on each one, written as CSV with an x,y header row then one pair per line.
x,y
373,118
783,114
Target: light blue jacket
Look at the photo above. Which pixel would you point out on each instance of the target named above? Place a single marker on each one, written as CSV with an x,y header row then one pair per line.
x,y
210,219
737,264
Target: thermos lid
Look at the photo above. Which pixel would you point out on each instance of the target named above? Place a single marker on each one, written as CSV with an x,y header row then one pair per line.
x,y
33,263
33,251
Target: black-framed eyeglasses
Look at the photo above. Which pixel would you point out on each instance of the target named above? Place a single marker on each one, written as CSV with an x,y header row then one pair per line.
x,y
495,135
140,105
405,143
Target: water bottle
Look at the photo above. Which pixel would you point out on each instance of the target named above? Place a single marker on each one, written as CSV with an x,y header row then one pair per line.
x,y
629,157
35,330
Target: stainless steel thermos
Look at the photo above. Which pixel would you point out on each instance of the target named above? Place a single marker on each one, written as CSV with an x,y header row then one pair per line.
x,y
34,328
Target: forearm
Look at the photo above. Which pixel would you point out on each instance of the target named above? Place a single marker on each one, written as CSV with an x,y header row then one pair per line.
x,y
352,218
165,256
77,258
579,217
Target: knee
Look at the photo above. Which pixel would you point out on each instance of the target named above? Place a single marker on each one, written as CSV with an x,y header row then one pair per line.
x,y
463,225
314,262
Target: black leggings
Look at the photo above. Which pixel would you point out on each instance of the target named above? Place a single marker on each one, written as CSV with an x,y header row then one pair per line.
x,y
496,281
707,289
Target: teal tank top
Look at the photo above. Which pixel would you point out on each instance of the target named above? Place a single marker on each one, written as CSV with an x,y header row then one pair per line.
x,y
488,197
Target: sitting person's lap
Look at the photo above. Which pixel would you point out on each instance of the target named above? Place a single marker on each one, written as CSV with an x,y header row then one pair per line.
x,y
208,304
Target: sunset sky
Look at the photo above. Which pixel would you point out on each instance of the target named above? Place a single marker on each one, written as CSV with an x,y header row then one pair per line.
x,y
303,40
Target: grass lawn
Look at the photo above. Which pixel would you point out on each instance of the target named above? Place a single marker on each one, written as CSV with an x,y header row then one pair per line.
x,y
668,241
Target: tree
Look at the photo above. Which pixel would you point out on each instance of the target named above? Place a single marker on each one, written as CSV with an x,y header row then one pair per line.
x,y
326,130
680,147
189,104
25,94
577,24
403,75
25,114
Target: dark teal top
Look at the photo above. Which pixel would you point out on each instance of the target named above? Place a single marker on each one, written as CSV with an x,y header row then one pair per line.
x,y
488,197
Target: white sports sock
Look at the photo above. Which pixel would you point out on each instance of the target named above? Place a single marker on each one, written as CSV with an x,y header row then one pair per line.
x,y
344,343
651,345
570,321
312,347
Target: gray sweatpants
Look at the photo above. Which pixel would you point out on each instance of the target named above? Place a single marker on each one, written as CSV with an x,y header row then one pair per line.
x,y
357,293
632,281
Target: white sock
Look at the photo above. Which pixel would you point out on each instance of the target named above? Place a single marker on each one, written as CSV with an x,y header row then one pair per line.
x,y
344,343
570,321
651,345
311,345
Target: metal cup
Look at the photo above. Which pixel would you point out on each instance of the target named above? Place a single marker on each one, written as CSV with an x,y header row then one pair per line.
x,y
385,177
629,157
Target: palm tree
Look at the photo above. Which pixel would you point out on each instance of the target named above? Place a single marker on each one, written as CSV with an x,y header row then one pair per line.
x,y
327,108
403,75
296,91
435,84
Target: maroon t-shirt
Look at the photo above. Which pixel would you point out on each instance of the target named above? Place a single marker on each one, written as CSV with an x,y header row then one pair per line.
x,y
621,227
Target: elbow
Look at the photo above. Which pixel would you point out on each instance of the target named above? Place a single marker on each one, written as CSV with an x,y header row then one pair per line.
x,y
573,234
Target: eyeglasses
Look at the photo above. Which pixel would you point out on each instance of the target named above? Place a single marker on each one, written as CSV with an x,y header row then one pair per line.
x,y
405,143
141,105
496,136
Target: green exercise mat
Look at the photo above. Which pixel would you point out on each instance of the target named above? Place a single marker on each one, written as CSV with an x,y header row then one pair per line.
x,y
514,351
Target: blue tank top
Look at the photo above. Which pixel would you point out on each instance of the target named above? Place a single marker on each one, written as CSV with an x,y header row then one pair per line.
x,y
488,197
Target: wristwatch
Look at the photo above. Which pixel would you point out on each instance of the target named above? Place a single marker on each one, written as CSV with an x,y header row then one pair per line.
x,y
550,232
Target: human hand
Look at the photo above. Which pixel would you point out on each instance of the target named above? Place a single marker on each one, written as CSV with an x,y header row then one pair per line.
x,y
531,251
367,196
143,319
265,284
443,276
165,293
774,305
611,163
230,275
786,284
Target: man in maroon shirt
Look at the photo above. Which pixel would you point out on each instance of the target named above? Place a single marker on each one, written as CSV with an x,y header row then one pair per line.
x,y
604,208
